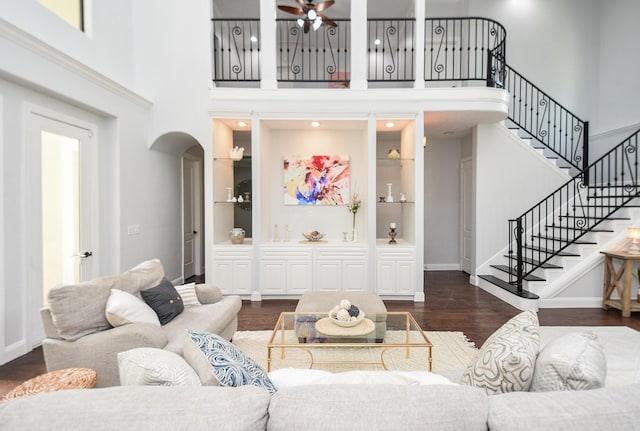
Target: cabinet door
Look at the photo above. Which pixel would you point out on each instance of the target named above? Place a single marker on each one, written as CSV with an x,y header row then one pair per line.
x,y
327,276
354,276
273,277
405,277
223,276
386,277
299,277
242,277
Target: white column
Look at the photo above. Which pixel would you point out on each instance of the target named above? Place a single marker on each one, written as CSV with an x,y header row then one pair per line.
x,y
358,44
268,44
419,46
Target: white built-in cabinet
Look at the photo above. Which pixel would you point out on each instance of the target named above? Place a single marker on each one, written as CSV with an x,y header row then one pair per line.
x,y
276,261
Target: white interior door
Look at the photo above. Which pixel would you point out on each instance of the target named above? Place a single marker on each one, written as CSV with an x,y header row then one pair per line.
x,y
465,215
62,212
192,223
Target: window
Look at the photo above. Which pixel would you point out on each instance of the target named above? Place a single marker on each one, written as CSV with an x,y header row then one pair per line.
x,y
71,11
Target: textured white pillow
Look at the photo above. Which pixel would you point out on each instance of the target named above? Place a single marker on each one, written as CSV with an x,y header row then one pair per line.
x,y
288,377
124,308
569,363
149,366
506,361
188,294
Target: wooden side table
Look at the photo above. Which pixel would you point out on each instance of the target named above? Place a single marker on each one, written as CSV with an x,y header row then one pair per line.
x,y
613,278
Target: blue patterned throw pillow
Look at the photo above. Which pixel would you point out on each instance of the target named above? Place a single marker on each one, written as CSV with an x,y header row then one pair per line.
x,y
218,362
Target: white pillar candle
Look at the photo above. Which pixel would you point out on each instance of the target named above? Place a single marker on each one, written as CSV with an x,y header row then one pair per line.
x,y
392,225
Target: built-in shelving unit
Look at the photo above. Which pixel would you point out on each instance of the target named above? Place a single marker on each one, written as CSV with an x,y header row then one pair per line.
x,y
276,261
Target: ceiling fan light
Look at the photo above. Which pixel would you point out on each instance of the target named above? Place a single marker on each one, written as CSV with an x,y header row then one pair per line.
x,y
312,14
300,22
317,23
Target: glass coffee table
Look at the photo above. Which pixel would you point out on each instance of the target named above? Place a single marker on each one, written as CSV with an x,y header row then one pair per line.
x,y
367,343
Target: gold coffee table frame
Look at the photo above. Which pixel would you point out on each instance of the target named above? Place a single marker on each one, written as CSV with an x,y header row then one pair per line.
x,y
414,337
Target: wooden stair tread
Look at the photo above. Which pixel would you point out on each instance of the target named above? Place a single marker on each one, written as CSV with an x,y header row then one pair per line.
x,y
509,287
530,261
508,270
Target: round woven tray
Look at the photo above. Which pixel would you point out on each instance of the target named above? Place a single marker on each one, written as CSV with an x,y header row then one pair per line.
x,y
69,378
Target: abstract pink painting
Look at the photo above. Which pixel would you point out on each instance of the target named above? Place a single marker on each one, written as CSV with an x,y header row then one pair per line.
x,y
316,180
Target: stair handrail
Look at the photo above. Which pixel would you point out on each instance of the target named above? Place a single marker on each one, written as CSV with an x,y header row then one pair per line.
x,y
590,197
540,115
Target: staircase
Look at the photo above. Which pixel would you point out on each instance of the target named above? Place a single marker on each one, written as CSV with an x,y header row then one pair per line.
x,y
571,224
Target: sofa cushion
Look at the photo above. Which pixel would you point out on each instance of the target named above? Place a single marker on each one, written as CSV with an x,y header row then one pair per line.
x,y
79,309
379,407
214,318
615,408
574,361
165,301
123,308
218,362
140,408
188,294
149,366
208,293
506,361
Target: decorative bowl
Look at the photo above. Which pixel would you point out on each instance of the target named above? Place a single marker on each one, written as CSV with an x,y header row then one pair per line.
x,y
314,235
347,323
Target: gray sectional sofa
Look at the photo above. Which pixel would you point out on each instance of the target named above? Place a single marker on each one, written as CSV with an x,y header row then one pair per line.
x,y
79,335
324,407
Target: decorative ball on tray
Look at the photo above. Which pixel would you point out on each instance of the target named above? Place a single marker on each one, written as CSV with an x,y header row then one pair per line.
x,y
312,236
346,314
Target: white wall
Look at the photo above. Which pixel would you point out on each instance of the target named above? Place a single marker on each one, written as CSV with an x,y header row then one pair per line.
x,y
136,185
504,168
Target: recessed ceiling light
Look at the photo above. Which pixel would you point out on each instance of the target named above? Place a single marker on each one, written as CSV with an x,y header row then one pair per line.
x,y
253,39
390,124
315,124
242,124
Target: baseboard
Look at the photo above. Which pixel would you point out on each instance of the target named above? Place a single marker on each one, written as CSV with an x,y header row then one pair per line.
x,y
13,351
442,267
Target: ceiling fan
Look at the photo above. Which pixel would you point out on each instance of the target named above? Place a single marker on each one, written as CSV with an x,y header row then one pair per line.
x,y
309,13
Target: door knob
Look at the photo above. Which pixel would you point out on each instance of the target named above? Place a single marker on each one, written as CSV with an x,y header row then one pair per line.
x,y
195,232
85,255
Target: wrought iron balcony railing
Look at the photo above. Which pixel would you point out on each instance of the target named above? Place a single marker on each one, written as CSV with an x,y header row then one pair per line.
x,y
236,50
391,50
320,55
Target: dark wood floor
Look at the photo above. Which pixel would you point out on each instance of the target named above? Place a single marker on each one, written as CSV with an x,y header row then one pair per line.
x,y
452,304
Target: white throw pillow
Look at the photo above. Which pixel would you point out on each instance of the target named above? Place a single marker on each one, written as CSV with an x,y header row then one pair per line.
x,y
188,294
573,362
506,361
124,308
150,366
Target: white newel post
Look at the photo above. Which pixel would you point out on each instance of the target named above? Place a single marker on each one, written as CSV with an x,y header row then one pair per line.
x,y
268,45
359,45
420,12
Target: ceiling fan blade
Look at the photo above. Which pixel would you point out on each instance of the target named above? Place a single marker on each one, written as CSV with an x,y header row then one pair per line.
x,y
291,9
303,4
324,5
327,21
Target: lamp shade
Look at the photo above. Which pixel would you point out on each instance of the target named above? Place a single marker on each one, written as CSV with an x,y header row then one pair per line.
x,y
633,232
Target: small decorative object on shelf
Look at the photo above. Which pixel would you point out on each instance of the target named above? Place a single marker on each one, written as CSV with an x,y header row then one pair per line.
x,y
234,199
313,236
353,208
344,236
393,154
229,194
240,198
286,232
403,198
236,153
392,233
236,235
389,195
381,199
276,236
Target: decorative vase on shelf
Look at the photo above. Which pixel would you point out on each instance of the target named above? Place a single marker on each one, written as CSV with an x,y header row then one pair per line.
x,y
236,235
389,195
354,237
393,154
229,194
403,197
236,153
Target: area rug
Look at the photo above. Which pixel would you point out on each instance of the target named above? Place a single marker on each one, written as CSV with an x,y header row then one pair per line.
x,y
451,351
